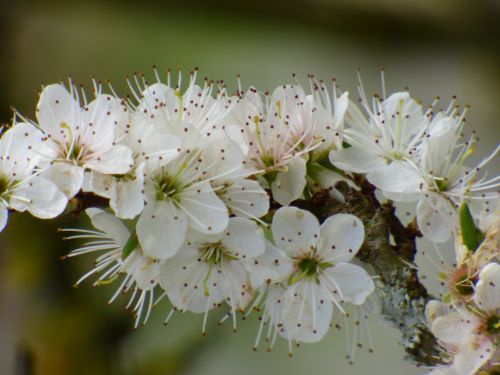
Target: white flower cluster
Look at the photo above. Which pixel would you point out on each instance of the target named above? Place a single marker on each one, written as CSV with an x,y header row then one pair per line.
x,y
200,183
467,321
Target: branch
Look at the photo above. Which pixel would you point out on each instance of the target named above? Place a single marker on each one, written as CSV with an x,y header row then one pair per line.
x,y
404,297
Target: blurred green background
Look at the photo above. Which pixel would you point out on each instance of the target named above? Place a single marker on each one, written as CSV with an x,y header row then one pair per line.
x,y
435,47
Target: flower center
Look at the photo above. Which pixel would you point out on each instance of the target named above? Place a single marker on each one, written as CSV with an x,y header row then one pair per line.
x,y
215,254
442,185
309,266
4,185
493,324
462,283
167,188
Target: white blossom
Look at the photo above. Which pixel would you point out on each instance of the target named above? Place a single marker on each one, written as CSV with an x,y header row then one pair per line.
x,y
320,276
21,186
80,137
208,270
121,257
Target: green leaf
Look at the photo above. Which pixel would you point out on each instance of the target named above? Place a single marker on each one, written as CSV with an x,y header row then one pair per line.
x,y
130,246
471,235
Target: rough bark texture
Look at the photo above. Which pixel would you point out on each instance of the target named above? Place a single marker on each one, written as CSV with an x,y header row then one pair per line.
x,y
403,296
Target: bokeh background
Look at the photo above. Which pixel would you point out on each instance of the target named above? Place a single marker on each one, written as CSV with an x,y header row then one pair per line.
x,y
434,47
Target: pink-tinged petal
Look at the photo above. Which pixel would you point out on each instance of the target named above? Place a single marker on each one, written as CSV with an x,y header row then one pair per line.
x,y
58,113
161,229
243,238
294,230
341,237
436,217
352,282
487,295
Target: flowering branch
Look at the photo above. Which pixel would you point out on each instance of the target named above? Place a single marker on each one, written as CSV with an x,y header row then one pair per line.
x,y
259,203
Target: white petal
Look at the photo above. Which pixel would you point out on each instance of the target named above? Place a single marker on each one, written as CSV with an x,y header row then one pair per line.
x,y
455,328
437,149
236,285
353,281
148,140
47,201
246,198
68,177
161,229
433,310
127,199
206,212
471,358
117,160
20,148
401,197
487,295
145,271
290,184
327,180
341,237
190,284
100,184
272,267
158,97
436,217
101,118
294,230
356,160
109,224
397,177
57,110
446,370
230,160
404,113
244,238
4,216
306,315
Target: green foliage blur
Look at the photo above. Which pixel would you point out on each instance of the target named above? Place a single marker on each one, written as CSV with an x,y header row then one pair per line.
x,y
444,47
